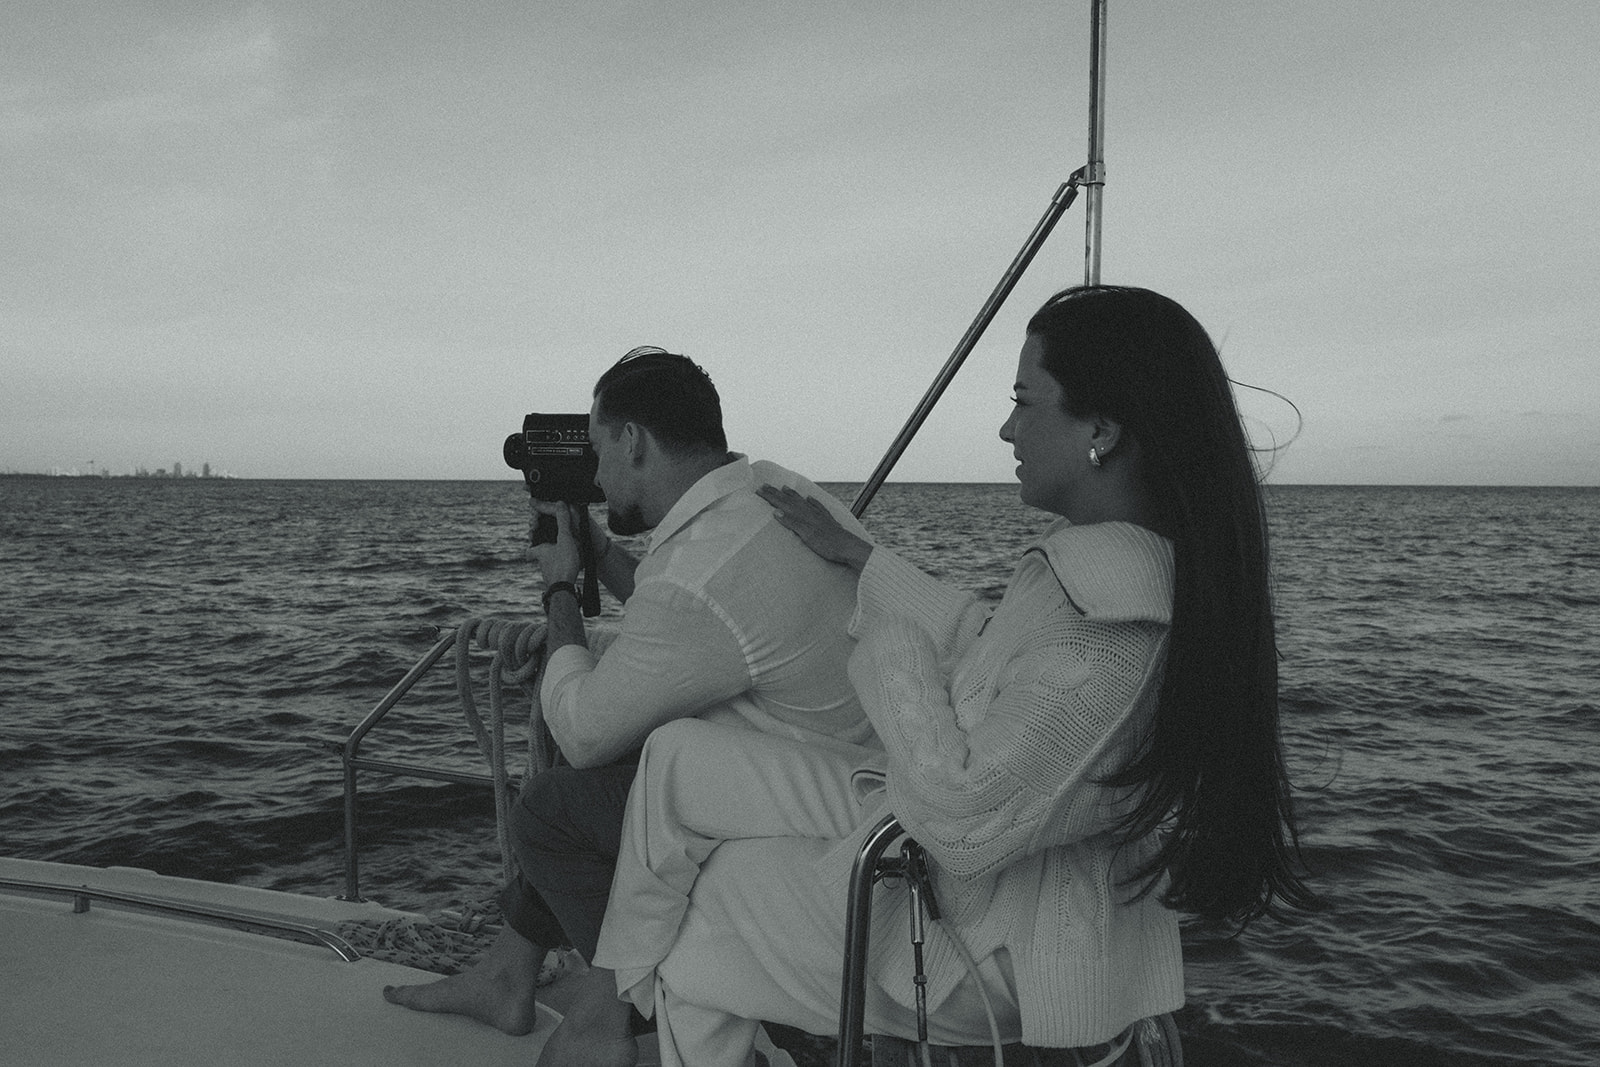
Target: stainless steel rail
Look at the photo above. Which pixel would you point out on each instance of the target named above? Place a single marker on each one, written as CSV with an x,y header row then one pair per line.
x,y
353,761
82,895
857,925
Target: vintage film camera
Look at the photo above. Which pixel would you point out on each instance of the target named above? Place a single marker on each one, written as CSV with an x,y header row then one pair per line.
x,y
558,464
556,460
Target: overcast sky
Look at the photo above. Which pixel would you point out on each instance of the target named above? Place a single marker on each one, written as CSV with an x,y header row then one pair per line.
x,y
361,239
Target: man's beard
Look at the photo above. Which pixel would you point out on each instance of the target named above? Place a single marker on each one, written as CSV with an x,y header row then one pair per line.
x,y
625,520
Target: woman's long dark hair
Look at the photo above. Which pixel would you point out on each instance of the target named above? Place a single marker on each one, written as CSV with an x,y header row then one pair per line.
x,y
1211,772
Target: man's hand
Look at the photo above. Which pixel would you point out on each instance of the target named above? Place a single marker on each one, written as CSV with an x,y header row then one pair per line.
x,y
559,562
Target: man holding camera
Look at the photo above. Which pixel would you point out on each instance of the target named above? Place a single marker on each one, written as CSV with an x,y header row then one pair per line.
x,y
727,616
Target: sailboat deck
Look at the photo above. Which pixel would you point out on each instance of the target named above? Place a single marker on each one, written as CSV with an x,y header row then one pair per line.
x,y
114,984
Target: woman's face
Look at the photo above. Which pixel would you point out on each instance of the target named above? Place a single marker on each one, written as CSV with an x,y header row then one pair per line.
x,y
1051,446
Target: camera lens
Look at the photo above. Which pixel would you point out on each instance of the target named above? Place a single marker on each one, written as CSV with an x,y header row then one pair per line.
x,y
516,452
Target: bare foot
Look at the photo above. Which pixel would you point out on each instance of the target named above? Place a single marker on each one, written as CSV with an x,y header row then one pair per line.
x,y
497,990
596,1030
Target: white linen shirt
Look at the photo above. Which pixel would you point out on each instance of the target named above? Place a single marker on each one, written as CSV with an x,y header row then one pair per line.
x,y
732,619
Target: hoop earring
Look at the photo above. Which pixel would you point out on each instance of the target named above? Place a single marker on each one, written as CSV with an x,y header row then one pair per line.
x,y
1094,457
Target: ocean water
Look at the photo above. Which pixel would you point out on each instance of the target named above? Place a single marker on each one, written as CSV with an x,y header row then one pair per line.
x,y
178,656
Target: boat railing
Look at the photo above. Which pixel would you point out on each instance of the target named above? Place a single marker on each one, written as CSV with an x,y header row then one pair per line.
x,y
82,895
354,762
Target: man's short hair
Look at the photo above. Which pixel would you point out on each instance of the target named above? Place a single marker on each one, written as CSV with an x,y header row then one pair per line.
x,y
667,394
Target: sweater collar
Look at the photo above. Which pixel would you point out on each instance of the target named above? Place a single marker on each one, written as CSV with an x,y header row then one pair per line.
x,y
1112,571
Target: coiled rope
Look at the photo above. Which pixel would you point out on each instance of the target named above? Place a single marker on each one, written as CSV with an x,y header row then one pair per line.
x,y
453,940
519,654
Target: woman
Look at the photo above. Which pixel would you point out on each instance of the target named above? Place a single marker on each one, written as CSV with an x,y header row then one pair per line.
x,y
1095,755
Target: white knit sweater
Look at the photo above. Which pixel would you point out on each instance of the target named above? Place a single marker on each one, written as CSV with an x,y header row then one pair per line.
x,y
997,728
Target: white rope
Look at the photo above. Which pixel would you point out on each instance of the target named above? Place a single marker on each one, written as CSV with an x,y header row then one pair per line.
x,y
518,649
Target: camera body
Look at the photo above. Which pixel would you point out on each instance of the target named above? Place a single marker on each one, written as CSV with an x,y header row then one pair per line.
x,y
557,462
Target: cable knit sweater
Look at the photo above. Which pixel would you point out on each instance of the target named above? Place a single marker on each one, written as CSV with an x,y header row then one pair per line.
x,y
997,728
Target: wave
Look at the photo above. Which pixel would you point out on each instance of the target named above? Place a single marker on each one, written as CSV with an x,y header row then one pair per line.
x,y
1438,710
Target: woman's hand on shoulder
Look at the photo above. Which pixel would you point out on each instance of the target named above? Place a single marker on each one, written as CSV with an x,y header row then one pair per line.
x,y
816,527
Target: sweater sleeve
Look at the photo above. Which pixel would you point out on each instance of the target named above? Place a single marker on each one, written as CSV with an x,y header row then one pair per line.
x,y
891,587
1022,778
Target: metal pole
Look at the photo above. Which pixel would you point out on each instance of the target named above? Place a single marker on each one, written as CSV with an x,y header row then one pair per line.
x,y
352,879
1059,204
857,929
352,875
1096,167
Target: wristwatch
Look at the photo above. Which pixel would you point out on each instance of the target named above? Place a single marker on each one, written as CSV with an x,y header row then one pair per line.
x,y
557,587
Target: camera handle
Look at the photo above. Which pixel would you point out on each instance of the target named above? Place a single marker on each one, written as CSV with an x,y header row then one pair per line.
x,y
545,533
590,601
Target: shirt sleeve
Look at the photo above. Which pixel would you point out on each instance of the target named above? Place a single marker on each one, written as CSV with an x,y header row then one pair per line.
x,y
675,657
1023,778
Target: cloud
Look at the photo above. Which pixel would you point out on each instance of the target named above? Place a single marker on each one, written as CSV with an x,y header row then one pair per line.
x,y
501,197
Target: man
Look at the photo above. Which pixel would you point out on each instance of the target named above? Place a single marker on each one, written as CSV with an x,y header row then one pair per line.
x,y
727,617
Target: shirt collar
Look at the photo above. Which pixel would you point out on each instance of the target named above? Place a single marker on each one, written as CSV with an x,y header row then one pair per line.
x,y
728,478
1112,571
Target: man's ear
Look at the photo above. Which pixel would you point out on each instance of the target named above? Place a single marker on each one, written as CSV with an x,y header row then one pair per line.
x,y
635,442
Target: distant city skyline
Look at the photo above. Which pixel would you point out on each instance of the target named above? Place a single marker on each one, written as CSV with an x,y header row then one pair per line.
x,y
93,469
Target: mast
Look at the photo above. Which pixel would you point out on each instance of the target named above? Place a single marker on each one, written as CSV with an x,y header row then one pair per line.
x,y
1065,195
1090,176
1095,180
